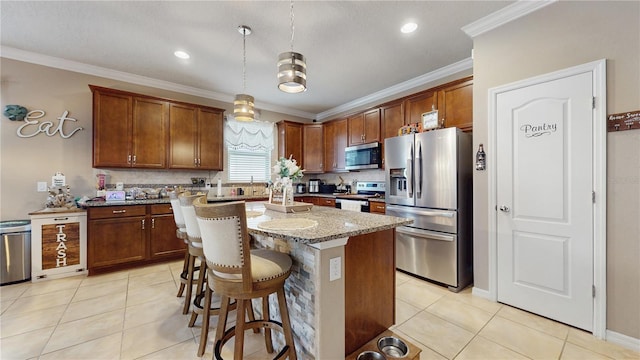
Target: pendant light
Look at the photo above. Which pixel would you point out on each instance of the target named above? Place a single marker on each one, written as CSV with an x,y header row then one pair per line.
x,y
292,67
243,103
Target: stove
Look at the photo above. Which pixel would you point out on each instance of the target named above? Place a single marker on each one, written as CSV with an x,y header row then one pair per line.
x,y
359,201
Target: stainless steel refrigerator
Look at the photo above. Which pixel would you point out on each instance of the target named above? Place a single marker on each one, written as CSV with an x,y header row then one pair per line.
x,y
428,179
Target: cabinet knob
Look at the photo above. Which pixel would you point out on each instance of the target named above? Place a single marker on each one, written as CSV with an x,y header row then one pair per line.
x,y
134,159
153,223
142,224
129,159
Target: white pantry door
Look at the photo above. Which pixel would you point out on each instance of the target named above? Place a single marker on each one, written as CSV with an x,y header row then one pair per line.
x,y
544,197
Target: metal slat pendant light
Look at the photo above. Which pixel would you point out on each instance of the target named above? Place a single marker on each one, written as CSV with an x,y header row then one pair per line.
x,y
243,103
292,67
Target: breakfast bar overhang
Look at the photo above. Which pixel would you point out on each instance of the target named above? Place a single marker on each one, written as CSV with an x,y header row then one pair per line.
x,y
341,292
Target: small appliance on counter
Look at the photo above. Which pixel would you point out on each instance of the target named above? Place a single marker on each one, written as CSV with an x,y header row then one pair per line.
x,y
301,188
314,185
327,188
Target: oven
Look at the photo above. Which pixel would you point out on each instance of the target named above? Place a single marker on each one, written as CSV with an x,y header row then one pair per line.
x,y
352,204
359,201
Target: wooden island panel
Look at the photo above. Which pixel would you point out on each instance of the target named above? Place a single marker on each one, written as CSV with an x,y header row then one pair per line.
x,y
369,287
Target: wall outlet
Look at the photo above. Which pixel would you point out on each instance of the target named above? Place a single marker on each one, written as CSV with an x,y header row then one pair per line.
x,y
335,268
42,186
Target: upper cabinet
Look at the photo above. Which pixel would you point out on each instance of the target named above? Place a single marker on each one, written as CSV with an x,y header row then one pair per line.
x,y
391,119
137,131
313,148
290,141
364,128
112,119
128,131
419,104
455,105
335,140
195,138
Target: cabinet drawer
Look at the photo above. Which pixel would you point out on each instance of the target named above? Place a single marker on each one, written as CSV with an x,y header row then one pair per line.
x,y
327,202
117,211
160,209
377,207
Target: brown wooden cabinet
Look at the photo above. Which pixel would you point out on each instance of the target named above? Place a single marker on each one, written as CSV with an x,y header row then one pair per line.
x,y
377,207
364,128
132,235
323,201
455,105
335,140
313,148
195,138
290,141
391,119
128,131
163,239
138,131
419,104
117,235
149,134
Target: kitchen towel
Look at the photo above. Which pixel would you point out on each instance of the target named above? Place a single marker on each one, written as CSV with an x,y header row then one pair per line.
x,y
350,205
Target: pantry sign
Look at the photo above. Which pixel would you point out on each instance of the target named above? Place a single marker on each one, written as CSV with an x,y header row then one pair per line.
x,y
60,245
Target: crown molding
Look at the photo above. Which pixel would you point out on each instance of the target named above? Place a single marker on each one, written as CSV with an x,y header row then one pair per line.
x,y
69,65
504,15
414,83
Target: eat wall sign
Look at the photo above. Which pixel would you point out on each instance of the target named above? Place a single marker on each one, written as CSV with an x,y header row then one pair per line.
x,y
34,123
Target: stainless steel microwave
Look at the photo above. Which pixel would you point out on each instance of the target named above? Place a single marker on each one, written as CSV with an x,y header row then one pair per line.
x,y
366,156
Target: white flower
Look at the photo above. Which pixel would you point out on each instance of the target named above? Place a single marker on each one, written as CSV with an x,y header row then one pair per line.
x,y
286,171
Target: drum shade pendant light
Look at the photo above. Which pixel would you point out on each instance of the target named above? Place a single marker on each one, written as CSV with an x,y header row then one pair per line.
x,y
292,67
243,103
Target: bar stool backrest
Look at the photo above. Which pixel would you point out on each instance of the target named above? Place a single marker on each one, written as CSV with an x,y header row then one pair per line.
x,y
225,241
175,207
186,204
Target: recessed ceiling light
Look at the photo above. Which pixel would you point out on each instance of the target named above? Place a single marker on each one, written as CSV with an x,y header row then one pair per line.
x,y
181,54
409,27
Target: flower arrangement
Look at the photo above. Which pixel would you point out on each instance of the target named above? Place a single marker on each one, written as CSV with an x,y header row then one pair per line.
x,y
286,171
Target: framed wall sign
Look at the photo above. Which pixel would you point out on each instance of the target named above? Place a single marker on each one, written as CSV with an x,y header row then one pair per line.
x,y
430,120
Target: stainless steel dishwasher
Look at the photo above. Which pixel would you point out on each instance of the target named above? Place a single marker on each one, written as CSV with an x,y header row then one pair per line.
x,y
16,251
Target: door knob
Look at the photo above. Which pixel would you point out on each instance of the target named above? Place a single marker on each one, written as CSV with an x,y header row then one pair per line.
x,y
504,208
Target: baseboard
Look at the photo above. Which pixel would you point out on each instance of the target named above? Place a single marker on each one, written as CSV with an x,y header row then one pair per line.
x,y
481,293
623,340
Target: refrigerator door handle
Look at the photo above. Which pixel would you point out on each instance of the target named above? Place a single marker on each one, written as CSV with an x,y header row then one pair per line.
x,y
425,233
410,170
424,212
419,162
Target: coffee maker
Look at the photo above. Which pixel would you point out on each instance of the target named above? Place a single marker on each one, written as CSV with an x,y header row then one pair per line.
x,y
314,185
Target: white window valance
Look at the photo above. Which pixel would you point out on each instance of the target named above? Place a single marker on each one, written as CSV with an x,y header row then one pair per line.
x,y
254,135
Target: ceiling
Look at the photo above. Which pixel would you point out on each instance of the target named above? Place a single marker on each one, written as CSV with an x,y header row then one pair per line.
x,y
353,48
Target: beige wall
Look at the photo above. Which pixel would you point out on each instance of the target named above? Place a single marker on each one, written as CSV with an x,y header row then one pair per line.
x,y
25,161
559,36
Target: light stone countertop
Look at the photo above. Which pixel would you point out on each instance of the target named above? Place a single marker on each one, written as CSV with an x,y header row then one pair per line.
x,y
332,223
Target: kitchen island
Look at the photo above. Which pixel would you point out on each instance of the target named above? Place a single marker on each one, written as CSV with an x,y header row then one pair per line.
x,y
341,292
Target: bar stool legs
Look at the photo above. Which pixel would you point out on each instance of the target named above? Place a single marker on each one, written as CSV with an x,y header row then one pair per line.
x,y
184,273
192,268
244,305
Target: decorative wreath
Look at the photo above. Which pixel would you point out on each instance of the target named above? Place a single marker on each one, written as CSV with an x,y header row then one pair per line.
x,y
15,112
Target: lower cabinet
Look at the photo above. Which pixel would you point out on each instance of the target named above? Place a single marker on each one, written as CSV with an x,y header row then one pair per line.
x,y
317,200
129,236
377,207
163,233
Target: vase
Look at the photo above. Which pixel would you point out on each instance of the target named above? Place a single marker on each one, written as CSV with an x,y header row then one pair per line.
x,y
288,194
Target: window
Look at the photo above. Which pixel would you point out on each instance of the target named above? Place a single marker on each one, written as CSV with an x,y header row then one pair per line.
x,y
247,165
249,146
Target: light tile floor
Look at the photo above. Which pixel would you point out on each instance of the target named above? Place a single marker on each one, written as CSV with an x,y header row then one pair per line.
x,y
135,315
